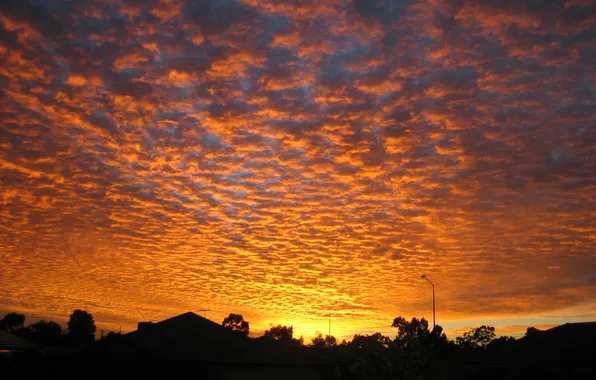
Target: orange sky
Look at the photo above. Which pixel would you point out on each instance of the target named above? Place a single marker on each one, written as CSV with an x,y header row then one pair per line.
x,y
270,158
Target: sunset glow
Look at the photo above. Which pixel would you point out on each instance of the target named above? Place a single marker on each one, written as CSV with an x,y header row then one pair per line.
x,y
270,158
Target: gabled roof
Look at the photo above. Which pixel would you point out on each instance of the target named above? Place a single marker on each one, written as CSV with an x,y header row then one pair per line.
x,y
14,343
573,330
568,343
186,337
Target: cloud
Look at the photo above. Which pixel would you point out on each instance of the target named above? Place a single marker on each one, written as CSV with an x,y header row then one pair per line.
x,y
265,157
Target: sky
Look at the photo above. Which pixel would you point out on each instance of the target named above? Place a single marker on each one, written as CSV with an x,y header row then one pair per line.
x,y
271,158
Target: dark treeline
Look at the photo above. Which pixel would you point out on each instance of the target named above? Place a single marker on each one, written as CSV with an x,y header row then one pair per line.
x,y
414,352
418,352
80,330
479,338
414,334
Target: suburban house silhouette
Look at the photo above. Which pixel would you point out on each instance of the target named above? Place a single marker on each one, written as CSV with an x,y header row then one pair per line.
x,y
189,342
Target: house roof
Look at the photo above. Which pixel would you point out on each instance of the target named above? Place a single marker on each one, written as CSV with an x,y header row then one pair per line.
x,y
191,337
14,343
186,337
568,343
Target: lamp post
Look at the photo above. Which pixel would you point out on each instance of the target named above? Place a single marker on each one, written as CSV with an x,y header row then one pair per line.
x,y
433,285
335,303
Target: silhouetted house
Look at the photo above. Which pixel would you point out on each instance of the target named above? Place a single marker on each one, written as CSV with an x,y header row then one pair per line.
x,y
189,343
185,337
16,351
563,352
12,343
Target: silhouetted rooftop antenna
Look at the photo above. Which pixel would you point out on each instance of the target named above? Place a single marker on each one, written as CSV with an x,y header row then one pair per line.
x,y
205,311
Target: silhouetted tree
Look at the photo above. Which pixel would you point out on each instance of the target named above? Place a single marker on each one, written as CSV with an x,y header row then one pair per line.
x,y
409,333
373,355
330,341
532,332
46,333
323,341
438,333
478,337
414,348
376,340
81,327
318,340
282,334
500,342
12,322
236,322
438,343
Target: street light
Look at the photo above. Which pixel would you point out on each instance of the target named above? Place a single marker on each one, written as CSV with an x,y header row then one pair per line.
x,y
433,285
335,303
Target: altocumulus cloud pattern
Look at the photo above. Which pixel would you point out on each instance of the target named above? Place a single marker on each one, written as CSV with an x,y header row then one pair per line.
x,y
267,157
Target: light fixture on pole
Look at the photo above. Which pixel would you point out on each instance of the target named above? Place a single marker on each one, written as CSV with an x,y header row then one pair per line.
x,y
433,285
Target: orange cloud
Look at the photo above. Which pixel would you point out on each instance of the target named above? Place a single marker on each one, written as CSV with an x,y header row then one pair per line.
x,y
80,80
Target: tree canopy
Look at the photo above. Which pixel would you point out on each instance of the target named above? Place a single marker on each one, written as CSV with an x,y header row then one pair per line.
x,y
46,333
478,337
410,332
12,322
376,340
500,342
81,327
532,332
281,333
236,322
323,341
